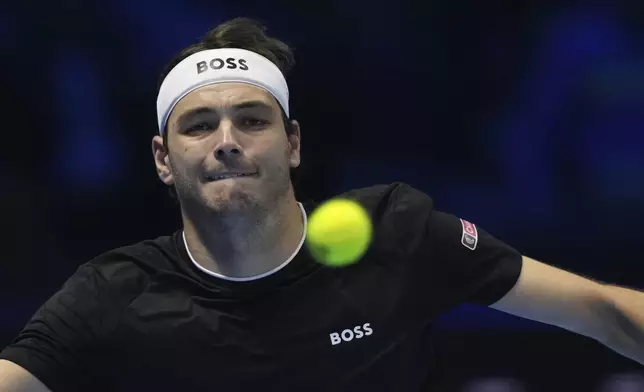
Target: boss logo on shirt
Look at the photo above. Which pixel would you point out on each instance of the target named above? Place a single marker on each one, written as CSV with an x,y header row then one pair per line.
x,y
217,63
358,332
470,236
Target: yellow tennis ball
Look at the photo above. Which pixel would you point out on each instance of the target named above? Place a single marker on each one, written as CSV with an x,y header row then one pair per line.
x,y
339,232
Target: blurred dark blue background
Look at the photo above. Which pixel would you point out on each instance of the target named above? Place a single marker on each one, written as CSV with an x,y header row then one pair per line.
x,y
524,118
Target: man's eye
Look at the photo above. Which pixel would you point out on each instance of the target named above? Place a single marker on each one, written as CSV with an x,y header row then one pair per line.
x,y
254,122
202,126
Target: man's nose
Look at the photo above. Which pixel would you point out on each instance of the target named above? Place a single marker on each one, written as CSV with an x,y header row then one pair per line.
x,y
228,147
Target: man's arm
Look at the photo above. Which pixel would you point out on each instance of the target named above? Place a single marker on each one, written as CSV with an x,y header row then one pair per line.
x,y
14,378
614,316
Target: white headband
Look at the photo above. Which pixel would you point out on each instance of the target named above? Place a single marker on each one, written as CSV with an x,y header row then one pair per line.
x,y
219,66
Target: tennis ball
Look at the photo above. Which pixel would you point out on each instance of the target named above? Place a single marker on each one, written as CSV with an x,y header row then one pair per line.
x,y
339,232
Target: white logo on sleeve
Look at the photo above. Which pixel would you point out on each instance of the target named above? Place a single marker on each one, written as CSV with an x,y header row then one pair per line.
x,y
470,235
358,332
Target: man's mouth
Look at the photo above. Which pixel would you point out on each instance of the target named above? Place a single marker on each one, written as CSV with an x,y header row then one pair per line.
x,y
224,176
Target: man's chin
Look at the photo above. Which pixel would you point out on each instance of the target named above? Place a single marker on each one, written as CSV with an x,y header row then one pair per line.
x,y
231,200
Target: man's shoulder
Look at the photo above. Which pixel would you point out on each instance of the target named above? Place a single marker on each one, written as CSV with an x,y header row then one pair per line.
x,y
136,259
395,197
398,212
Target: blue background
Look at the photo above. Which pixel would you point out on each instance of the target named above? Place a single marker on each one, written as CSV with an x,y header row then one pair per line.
x,y
525,118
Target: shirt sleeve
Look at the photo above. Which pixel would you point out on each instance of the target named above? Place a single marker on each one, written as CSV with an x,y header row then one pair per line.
x,y
469,264
451,261
60,345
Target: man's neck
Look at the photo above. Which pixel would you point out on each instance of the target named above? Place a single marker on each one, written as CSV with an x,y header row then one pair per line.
x,y
248,245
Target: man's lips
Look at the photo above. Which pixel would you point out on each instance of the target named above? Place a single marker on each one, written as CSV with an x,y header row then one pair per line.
x,y
223,176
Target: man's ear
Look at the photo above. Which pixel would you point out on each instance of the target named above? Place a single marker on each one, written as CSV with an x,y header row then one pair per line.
x,y
162,160
294,140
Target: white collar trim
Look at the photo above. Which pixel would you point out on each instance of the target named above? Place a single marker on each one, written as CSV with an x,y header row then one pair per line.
x,y
262,275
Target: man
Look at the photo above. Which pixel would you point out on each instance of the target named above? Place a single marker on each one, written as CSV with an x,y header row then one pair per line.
x,y
234,302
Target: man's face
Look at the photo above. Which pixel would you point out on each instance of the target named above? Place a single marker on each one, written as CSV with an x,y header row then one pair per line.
x,y
227,149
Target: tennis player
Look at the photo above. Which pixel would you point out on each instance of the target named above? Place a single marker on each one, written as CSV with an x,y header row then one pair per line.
x,y
233,302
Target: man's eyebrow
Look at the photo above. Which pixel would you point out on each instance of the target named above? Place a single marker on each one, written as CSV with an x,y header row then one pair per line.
x,y
256,104
252,105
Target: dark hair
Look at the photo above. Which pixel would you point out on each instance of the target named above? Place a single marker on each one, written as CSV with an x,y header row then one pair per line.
x,y
240,33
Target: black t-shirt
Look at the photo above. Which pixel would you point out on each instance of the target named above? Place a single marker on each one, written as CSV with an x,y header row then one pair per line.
x,y
144,317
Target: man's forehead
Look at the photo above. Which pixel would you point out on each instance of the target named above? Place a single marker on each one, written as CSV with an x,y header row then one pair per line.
x,y
224,95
